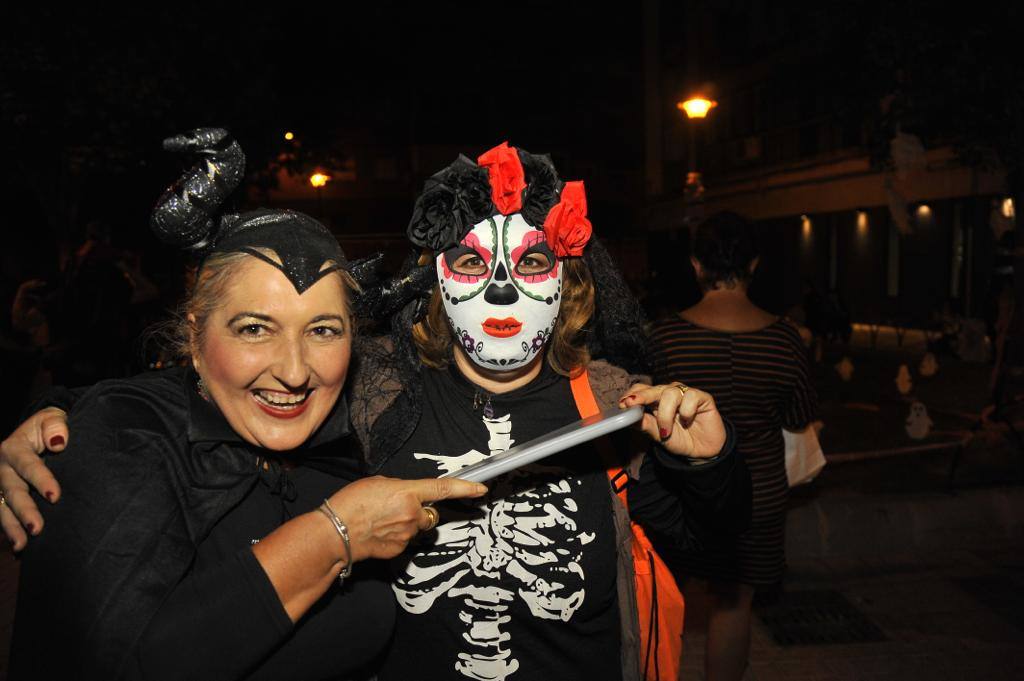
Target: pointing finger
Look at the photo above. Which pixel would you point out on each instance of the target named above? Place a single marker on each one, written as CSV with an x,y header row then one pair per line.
x,y
437,489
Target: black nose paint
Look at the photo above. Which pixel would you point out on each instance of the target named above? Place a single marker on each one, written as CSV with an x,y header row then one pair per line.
x,y
501,294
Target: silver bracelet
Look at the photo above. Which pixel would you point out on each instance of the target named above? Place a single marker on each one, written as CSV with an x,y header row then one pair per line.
x,y
342,530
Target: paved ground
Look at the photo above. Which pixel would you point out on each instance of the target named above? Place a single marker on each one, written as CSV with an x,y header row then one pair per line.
x,y
956,615
937,569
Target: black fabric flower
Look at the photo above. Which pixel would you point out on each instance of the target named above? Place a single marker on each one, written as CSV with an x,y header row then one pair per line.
x,y
542,187
453,200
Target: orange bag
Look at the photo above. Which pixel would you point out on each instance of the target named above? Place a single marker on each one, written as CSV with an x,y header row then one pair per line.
x,y
659,601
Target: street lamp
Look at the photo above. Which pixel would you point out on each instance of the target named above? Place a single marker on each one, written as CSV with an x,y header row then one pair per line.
x,y
696,108
318,180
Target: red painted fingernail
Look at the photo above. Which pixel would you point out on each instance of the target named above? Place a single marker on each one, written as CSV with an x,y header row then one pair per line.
x,y
57,441
664,432
31,527
50,496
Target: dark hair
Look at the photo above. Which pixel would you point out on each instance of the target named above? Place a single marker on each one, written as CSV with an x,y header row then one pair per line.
x,y
724,246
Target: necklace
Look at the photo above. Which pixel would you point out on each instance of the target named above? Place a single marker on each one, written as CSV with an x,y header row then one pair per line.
x,y
482,398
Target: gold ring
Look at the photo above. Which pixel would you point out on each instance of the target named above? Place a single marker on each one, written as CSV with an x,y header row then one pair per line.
x,y
435,517
682,388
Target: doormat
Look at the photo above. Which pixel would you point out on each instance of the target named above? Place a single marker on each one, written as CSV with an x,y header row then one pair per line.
x,y
816,617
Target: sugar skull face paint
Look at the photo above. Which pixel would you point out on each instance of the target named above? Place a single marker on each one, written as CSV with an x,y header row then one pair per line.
x,y
501,286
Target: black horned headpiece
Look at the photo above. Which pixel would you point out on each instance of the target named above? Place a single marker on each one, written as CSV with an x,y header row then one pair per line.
x,y
186,215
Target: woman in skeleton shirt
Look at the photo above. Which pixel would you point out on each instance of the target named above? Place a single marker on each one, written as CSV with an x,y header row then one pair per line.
x,y
515,297
523,585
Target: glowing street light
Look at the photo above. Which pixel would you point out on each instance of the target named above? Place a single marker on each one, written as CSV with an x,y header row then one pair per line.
x,y
696,107
289,136
318,180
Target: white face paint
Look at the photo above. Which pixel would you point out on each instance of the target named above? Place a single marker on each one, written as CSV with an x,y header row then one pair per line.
x,y
501,288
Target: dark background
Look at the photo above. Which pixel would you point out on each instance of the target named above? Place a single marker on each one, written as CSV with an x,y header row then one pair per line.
x,y
393,91
396,90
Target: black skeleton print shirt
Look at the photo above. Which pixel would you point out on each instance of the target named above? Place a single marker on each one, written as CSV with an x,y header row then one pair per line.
x,y
511,586
520,585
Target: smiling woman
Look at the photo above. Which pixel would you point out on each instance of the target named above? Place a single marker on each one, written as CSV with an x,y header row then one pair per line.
x,y
211,508
273,360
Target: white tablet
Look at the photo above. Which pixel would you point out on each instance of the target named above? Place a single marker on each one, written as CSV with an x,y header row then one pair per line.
x,y
556,441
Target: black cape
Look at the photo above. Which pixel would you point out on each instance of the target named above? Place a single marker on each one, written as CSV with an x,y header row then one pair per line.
x,y
150,469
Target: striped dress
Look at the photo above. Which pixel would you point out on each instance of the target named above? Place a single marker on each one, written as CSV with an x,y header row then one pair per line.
x,y
761,382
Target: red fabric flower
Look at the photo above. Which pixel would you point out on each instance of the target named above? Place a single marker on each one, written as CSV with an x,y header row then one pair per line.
x,y
566,227
506,175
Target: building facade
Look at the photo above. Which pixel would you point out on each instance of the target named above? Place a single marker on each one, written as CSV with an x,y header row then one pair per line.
x,y
901,237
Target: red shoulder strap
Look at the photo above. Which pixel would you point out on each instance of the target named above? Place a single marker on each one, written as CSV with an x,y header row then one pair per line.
x,y
586,404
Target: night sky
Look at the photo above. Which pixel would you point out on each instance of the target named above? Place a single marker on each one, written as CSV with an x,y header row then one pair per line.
x,y
86,95
409,74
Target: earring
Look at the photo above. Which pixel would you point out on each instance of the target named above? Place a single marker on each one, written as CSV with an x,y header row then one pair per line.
x,y
201,387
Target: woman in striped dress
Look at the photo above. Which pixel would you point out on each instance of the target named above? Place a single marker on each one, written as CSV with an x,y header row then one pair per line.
x,y
755,366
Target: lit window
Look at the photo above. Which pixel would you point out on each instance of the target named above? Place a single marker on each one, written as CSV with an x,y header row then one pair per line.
x,y
862,223
1008,208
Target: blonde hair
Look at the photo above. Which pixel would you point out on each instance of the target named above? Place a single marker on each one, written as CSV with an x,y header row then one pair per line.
x,y
567,349
182,335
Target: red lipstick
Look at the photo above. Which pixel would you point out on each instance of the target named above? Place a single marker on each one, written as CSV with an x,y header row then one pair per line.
x,y
502,328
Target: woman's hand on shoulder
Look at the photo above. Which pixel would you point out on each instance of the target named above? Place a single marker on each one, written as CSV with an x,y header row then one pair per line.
x,y
683,419
384,514
21,466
